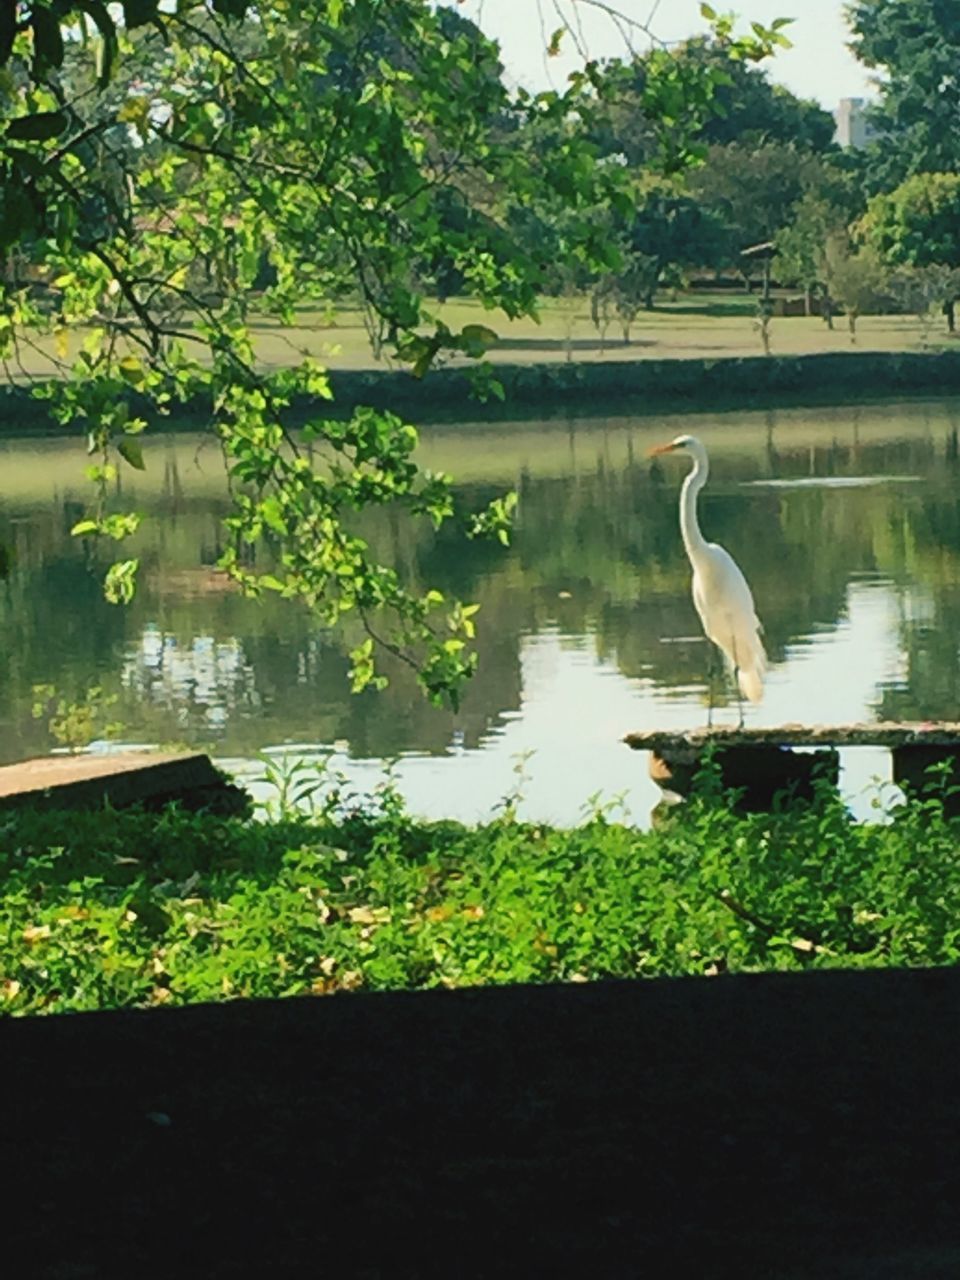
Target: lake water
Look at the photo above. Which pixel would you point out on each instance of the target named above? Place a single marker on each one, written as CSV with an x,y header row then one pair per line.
x,y
846,522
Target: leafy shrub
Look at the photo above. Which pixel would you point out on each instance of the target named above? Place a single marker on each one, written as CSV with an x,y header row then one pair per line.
x,y
110,909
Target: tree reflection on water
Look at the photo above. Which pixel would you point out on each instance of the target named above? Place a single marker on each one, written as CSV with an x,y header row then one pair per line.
x,y
596,564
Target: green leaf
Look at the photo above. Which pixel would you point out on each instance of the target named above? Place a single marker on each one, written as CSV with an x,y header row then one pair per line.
x,y
132,371
120,525
272,513
82,527
477,338
553,48
424,360
132,451
707,11
36,128
120,582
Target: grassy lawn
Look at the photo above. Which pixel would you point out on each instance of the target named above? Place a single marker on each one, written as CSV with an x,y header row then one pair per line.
x,y
108,910
692,326
682,327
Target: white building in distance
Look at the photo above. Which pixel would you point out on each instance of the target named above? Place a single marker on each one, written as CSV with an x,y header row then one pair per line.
x,y
853,128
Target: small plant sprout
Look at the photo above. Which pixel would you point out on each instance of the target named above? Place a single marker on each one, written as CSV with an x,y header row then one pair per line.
x,y
74,723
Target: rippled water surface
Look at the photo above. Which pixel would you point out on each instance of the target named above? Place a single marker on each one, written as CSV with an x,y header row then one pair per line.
x,y
846,522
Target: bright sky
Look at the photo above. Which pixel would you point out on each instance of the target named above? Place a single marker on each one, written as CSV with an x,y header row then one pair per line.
x,y
818,66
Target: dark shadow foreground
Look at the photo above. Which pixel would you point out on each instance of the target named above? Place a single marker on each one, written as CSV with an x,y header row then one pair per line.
x,y
760,1127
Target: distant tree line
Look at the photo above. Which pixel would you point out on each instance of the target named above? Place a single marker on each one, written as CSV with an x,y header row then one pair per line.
x,y
853,231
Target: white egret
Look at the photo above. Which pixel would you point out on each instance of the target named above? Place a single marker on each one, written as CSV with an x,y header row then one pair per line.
x,y
721,595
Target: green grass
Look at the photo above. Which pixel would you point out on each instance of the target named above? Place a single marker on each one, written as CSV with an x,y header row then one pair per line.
x,y
106,910
698,325
687,326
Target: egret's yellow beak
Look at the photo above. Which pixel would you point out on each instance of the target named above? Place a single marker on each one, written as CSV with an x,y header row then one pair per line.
x,y
662,448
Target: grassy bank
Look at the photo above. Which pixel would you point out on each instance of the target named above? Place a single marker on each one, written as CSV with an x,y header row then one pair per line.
x,y
640,387
650,386
694,351
686,326
109,910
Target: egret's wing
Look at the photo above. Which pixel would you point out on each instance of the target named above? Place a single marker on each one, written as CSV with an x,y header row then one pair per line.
x,y
725,604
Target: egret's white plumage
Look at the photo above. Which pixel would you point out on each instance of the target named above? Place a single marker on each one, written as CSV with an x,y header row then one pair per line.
x,y
720,592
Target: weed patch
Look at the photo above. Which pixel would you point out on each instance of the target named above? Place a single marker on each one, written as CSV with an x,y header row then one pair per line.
x,y
117,909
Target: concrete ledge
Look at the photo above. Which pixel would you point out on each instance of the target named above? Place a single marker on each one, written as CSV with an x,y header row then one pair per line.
x,y
761,762
880,733
131,778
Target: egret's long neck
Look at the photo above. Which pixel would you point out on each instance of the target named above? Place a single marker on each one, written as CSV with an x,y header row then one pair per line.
x,y
693,539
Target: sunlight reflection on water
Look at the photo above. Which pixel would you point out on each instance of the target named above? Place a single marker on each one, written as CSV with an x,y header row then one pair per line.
x,y
576,709
831,482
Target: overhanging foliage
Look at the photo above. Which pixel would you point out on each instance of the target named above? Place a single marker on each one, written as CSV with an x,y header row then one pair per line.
x,y
173,175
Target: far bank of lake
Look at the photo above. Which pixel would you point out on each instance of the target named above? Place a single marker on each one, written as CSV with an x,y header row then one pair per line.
x,y
638,387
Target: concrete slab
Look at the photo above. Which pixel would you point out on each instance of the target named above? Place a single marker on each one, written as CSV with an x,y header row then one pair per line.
x,y
882,733
147,778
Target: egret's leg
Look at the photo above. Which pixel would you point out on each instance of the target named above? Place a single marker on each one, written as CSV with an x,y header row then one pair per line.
x,y
711,659
736,682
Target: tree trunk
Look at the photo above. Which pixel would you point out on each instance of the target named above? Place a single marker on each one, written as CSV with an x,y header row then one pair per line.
x,y
949,310
569,297
650,292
